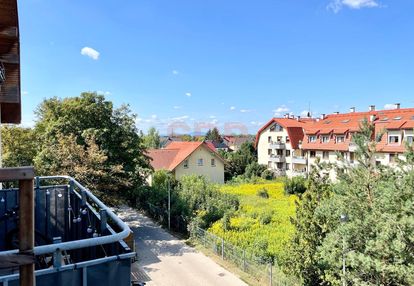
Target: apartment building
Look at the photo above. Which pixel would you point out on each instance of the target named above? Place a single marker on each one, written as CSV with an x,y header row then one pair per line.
x,y
277,144
331,134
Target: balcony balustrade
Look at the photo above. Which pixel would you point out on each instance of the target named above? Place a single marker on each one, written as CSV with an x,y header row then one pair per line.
x,y
277,145
299,160
277,158
77,237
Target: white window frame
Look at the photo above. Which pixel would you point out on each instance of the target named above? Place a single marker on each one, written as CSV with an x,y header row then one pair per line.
x,y
341,137
185,165
396,136
325,138
312,138
200,162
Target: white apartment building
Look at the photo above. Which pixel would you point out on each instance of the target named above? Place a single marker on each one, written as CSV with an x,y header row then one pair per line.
x,y
331,134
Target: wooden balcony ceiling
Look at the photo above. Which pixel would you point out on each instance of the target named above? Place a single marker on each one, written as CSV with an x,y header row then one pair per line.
x,y
10,58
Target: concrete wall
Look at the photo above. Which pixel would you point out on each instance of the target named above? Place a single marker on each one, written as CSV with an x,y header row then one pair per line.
x,y
213,173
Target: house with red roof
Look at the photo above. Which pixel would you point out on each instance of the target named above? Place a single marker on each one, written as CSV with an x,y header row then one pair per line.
x,y
290,146
189,158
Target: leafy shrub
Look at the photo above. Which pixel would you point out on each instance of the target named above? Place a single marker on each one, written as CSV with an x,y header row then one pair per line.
x,y
265,218
254,169
295,185
267,175
263,193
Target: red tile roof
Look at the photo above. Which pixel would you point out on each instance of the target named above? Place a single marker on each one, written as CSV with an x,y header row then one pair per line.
x,y
347,123
294,128
175,153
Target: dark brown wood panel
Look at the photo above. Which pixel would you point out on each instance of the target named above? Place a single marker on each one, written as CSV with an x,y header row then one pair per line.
x,y
10,95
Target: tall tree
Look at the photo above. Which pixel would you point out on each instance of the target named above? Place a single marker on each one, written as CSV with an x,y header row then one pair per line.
x,y
214,135
19,146
92,116
152,139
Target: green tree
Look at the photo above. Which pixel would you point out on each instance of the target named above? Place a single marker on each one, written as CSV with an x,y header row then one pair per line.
x,y
378,239
254,169
236,162
310,229
92,116
19,146
214,135
152,139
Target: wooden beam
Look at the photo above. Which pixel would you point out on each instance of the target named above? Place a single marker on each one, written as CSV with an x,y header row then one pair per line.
x,y
26,224
15,174
9,32
9,94
16,260
10,58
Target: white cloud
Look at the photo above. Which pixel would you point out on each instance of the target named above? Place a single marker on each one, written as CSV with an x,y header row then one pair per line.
x,y
25,92
154,116
177,107
245,110
212,116
90,52
389,106
232,108
188,94
337,5
103,92
256,123
180,118
280,110
175,72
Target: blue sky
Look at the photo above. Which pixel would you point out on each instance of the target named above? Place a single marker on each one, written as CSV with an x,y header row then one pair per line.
x,y
191,64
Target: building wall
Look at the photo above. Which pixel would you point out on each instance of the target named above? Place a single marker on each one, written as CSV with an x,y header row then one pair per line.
x,y
213,173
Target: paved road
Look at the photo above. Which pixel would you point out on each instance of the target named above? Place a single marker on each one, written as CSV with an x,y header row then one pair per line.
x,y
164,260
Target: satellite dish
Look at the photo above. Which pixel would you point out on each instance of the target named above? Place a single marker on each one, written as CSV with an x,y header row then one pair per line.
x,y
10,98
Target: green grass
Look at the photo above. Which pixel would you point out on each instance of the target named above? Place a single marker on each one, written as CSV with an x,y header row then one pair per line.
x,y
261,226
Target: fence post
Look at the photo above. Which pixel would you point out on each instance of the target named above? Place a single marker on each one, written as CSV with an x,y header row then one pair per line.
x,y
271,274
222,248
244,260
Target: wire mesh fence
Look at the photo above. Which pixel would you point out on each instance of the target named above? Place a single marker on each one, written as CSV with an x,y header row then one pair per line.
x,y
263,273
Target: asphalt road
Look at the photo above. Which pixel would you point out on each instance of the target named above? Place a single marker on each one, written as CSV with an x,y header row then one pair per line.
x,y
164,260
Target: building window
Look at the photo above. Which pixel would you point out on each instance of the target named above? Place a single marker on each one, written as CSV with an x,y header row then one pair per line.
x,y
287,153
287,139
287,166
325,139
279,153
393,139
351,157
186,164
279,166
269,151
392,158
312,139
340,139
269,139
200,162
325,155
410,139
213,162
269,164
312,154
279,139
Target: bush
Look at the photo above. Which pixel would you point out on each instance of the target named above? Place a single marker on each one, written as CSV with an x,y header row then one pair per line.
x,y
263,193
295,185
265,218
254,169
267,175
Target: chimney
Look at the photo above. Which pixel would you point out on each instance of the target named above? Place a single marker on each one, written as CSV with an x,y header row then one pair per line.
x,y
397,105
372,118
287,115
336,112
372,108
352,110
298,118
323,116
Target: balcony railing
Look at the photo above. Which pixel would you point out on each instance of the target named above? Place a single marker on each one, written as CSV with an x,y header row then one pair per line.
x,y
299,160
277,158
277,145
77,237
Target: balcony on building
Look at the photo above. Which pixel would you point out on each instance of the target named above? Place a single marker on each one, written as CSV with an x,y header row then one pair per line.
x,y
277,145
277,158
299,172
77,237
299,160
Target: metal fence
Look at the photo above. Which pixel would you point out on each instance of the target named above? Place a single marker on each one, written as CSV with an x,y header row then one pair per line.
x,y
264,273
